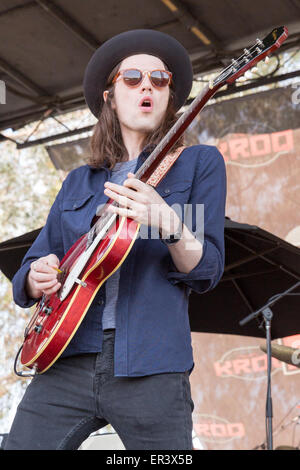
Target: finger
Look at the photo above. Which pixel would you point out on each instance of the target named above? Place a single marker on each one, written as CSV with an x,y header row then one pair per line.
x,y
43,277
113,186
46,285
41,266
122,211
118,188
113,190
122,200
52,259
136,184
52,290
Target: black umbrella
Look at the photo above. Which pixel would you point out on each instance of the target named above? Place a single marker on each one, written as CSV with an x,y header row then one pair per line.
x,y
13,251
258,265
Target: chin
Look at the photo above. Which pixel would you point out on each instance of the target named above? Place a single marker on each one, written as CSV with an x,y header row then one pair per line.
x,y
144,124
149,125
145,127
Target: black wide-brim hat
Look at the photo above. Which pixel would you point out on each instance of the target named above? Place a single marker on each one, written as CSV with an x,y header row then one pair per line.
x,y
138,41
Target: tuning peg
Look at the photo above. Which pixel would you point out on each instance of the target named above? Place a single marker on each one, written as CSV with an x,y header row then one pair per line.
x,y
254,69
267,59
242,79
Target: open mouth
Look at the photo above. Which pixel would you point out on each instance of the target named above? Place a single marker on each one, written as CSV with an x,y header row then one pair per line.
x,y
146,104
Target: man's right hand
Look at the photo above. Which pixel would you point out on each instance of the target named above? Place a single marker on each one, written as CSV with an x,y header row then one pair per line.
x,y
42,278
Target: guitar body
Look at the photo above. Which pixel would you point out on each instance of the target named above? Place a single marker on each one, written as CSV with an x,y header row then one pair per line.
x,y
55,322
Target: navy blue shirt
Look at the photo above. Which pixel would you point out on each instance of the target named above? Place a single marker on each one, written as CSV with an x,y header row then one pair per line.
x,y
152,323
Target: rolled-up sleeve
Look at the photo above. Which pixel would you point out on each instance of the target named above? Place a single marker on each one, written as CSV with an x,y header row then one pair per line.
x,y
48,241
209,188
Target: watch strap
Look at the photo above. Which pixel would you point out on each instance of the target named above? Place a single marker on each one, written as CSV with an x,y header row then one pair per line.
x,y
173,237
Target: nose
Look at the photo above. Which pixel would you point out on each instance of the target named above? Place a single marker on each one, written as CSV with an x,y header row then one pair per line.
x,y
146,83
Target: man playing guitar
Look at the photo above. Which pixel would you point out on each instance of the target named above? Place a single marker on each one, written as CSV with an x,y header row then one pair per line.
x,y
129,362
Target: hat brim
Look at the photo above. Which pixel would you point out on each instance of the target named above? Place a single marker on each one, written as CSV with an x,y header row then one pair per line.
x,y
139,41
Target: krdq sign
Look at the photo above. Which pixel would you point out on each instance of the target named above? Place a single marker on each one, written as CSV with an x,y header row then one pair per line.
x,y
247,146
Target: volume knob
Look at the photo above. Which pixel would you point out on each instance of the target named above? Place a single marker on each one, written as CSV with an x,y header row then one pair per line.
x,y
38,328
47,310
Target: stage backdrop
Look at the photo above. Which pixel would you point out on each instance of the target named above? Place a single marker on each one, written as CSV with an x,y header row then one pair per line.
x,y
259,138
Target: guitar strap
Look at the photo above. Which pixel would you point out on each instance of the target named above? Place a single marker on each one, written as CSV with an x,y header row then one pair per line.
x,y
164,166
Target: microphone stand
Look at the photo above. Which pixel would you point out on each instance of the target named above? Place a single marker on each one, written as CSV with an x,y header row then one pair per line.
x,y
268,315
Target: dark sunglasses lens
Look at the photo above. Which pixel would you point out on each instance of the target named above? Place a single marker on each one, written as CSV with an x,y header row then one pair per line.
x,y
132,77
159,78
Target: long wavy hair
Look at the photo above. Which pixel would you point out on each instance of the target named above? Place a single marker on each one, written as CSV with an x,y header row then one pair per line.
x,y
106,144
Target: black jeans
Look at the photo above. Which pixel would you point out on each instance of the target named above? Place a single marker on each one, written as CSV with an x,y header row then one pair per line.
x,y
79,395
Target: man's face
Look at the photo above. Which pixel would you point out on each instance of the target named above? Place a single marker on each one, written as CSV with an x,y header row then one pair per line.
x,y
128,100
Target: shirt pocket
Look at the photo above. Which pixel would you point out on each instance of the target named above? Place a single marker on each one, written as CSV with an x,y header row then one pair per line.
x,y
75,214
176,192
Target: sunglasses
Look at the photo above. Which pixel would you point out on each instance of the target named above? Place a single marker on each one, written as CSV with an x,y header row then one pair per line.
x,y
133,77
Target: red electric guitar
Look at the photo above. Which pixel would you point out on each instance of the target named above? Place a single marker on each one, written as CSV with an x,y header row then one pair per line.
x,y
97,254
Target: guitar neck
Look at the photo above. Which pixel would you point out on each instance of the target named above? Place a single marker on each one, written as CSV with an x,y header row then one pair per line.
x,y
234,70
148,167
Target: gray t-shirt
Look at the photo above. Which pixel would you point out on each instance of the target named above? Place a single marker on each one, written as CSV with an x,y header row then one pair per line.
x,y
118,176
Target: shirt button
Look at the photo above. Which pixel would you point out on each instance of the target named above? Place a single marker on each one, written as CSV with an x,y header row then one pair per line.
x,y
100,302
167,190
74,206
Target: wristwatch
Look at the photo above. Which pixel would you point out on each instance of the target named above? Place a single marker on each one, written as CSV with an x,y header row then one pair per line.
x,y
174,237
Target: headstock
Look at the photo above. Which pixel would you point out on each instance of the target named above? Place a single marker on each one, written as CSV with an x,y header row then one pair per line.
x,y
252,55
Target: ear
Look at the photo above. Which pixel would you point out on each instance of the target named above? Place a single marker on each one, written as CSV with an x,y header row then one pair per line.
x,y
105,97
105,94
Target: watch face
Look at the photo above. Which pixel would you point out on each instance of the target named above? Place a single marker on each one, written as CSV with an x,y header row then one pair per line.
x,y
174,238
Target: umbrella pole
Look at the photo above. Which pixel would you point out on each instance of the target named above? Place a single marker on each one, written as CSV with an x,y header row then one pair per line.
x,y
268,314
